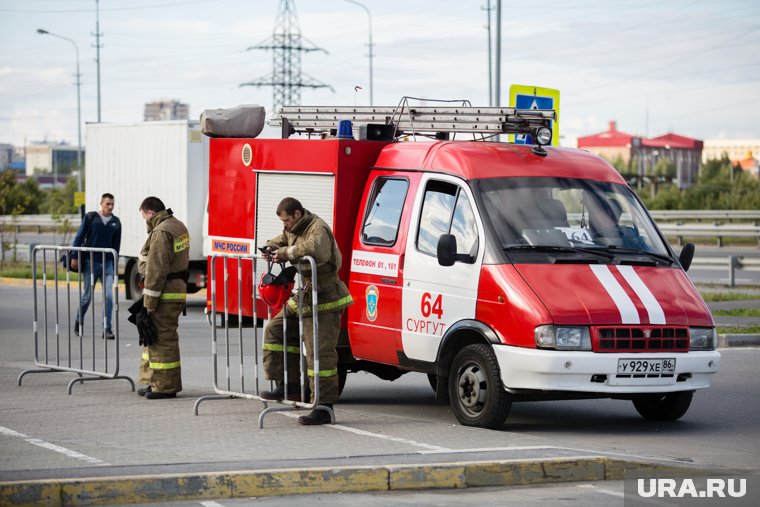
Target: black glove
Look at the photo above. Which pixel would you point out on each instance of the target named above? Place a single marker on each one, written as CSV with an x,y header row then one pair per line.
x,y
146,328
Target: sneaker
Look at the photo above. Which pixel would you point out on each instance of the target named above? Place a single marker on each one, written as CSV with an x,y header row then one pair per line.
x,y
155,395
316,417
144,390
109,336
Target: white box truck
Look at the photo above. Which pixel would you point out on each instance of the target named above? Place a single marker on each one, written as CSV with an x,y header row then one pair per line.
x,y
167,159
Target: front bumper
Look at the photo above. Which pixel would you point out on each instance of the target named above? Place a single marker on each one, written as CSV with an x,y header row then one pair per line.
x,y
591,372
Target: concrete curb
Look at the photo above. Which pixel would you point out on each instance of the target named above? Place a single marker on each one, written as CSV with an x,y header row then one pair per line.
x,y
260,483
738,340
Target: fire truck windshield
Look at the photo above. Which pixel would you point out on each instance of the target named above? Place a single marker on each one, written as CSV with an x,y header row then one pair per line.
x,y
568,215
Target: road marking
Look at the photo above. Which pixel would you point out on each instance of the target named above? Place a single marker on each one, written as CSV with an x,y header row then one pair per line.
x,y
211,503
602,490
377,435
52,447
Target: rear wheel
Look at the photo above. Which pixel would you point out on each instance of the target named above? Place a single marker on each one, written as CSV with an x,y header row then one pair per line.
x,y
663,407
476,393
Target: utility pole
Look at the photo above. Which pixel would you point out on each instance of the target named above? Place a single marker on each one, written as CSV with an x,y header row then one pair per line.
x,y
98,45
286,45
488,10
79,111
369,16
497,84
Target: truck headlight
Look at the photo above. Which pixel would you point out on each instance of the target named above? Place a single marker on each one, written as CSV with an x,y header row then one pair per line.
x,y
563,337
703,338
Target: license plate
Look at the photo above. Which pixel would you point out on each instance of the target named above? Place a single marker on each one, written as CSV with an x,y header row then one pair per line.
x,y
646,366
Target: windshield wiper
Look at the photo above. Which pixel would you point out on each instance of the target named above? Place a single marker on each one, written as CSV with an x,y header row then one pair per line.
x,y
601,252
617,249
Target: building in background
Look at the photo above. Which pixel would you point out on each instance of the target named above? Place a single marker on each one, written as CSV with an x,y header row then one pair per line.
x,y
750,164
166,109
642,154
6,156
735,149
49,158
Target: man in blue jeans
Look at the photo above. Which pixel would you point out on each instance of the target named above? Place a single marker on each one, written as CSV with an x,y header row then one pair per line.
x,y
99,229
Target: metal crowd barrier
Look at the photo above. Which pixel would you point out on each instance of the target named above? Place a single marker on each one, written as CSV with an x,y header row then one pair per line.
x,y
58,349
223,387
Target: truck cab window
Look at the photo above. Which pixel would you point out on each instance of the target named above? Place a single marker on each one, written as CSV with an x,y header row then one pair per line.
x,y
446,210
383,213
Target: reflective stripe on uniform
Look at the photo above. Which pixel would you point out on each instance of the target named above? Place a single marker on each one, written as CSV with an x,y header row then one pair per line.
x,y
159,366
163,366
276,347
323,373
173,296
344,301
151,293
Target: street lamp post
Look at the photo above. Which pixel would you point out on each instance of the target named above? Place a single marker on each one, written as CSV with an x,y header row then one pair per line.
x,y
369,17
79,106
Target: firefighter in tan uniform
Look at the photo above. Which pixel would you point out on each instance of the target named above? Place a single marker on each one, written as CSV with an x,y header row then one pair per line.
x,y
163,262
306,234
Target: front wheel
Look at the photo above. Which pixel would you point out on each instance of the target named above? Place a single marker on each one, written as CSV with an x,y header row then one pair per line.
x,y
663,407
476,393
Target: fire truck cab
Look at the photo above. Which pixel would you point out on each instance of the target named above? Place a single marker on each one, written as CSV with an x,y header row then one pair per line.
x,y
504,272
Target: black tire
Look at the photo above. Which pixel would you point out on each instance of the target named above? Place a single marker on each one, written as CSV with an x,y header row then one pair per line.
x,y
433,379
663,407
476,393
342,375
131,281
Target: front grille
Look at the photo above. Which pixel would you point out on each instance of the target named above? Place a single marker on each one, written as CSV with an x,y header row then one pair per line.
x,y
640,339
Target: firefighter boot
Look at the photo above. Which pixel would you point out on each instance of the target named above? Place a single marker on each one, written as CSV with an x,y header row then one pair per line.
x,y
317,417
278,393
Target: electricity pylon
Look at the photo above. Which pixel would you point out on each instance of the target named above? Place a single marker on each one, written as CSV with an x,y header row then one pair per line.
x,y
287,45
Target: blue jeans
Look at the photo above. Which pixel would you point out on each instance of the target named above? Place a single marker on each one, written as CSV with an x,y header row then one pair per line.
x,y
96,268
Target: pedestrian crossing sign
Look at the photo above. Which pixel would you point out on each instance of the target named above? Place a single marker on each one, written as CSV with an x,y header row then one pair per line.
x,y
535,97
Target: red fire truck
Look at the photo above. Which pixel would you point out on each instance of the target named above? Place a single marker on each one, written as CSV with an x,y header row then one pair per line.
x,y
505,272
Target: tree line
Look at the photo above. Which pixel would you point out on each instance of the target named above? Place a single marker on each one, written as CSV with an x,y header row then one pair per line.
x,y
720,185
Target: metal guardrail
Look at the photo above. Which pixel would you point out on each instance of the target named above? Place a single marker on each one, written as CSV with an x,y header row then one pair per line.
x,y
731,263
717,230
707,215
39,221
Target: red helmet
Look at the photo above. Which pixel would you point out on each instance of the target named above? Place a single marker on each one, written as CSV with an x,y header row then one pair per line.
x,y
276,290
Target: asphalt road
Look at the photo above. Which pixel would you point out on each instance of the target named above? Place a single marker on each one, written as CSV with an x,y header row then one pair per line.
x,y
376,417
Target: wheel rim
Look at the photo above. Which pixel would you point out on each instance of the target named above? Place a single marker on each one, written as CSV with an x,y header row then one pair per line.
x,y
473,387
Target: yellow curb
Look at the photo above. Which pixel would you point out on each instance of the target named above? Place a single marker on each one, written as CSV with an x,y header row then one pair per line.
x,y
260,483
15,282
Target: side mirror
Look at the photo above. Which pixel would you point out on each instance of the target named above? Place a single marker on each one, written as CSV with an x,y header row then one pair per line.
x,y
447,250
687,254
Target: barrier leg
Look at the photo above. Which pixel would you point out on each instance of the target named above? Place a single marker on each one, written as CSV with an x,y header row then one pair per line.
x,y
85,379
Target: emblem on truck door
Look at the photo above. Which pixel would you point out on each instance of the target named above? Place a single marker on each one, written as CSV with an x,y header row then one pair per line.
x,y
372,295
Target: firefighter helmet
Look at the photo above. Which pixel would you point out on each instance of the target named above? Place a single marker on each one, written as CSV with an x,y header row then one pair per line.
x,y
275,290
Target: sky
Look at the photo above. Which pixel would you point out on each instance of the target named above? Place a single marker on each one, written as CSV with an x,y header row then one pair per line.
x,y
654,66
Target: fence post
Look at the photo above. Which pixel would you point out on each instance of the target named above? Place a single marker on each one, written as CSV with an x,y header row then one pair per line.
x,y
731,272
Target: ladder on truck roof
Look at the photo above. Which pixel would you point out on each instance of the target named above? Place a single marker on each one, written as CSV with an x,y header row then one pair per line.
x,y
404,119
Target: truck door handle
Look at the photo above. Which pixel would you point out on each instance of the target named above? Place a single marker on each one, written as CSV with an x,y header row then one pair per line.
x,y
389,280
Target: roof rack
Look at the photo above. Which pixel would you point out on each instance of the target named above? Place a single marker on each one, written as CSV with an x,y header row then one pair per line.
x,y
406,119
